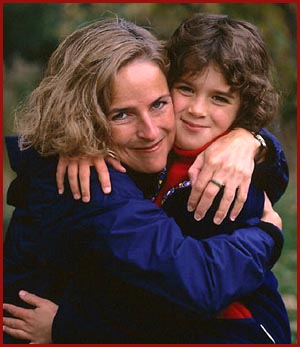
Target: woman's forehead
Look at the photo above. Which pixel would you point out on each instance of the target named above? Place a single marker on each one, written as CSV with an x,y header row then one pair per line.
x,y
138,81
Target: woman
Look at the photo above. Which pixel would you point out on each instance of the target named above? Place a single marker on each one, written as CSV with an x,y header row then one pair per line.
x,y
149,282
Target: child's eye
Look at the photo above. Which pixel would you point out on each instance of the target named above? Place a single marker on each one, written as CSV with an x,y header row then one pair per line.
x,y
221,99
185,89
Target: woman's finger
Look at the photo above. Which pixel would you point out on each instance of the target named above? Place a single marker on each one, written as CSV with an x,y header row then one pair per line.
x,y
199,185
210,192
224,206
240,199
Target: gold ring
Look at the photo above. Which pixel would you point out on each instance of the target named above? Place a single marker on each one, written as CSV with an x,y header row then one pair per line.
x,y
216,182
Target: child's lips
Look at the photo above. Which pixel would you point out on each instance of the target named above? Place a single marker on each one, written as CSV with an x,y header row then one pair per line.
x,y
194,126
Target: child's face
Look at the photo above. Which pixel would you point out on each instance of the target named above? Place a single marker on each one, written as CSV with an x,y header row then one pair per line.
x,y
204,107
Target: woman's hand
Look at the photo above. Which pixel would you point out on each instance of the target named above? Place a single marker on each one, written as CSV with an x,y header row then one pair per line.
x,y
229,161
78,170
269,215
34,325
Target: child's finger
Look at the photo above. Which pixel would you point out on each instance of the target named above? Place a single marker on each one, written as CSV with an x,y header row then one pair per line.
x,y
60,174
15,311
116,164
103,175
73,179
19,334
84,179
14,323
31,299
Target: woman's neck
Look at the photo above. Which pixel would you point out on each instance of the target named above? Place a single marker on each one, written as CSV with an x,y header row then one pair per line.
x,y
148,183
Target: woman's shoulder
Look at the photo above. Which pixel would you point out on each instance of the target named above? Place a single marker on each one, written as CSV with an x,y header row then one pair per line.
x,y
123,185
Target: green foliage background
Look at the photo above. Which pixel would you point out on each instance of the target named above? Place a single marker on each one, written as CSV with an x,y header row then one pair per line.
x,y
32,32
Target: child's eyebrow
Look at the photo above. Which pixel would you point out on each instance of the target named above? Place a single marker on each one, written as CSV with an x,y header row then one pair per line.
x,y
229,94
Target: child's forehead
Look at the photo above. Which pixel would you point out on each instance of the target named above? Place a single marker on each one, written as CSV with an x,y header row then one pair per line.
x,y
194,72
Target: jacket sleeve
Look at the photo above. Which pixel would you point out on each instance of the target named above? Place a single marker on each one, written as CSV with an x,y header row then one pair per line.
x,y
146,249
149,242
272,175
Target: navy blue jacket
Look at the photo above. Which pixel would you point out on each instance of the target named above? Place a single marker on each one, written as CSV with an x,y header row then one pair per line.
x,y
265,303
120,269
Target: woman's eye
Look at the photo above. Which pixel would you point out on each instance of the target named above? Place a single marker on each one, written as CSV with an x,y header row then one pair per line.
x,y
119,116
157,105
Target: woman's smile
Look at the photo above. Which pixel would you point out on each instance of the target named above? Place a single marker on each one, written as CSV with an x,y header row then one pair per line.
x,y
142,122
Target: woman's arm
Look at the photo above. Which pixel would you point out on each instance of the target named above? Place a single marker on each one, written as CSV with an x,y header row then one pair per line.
x,y
201,276
72,323
272,174
230,160
134,232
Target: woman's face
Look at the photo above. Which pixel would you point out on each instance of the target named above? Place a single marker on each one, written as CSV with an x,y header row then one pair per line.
x,y
141,116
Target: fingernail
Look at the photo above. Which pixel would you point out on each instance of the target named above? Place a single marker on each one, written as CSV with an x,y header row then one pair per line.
x,y
85,199
106,190
197,217
232,218
60,191
217,220
76,196
22,293
190,208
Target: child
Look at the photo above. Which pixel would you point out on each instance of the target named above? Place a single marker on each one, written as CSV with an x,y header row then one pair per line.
x,y
220,78
243,325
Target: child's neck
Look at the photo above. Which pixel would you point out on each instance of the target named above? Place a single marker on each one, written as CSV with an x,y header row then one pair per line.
x,y
180,161
190,152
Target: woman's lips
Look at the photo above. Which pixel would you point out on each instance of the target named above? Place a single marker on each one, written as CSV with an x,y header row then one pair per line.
x,y
149,149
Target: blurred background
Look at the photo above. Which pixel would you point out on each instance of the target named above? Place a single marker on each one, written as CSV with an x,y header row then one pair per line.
x,y
33,31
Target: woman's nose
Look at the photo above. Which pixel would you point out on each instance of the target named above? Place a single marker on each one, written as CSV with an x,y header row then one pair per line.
x,y
148,128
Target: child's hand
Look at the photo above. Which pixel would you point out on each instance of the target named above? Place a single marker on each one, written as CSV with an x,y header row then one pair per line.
x,y
34,325
79,175
230,162
269,215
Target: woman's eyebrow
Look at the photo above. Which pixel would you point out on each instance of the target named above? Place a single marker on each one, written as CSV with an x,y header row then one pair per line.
x,y
129,107
162,97
118,109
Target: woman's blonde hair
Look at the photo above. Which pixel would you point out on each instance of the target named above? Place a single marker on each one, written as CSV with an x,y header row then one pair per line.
x,y
65,114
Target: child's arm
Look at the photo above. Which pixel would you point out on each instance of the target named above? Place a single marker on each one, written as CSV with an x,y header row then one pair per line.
x,y
79,169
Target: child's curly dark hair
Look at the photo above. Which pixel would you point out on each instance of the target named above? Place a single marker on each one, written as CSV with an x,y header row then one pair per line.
x,y
238,50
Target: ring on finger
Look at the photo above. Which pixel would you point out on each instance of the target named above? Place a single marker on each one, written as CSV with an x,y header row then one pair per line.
x,y
217,183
